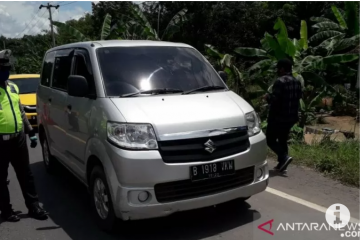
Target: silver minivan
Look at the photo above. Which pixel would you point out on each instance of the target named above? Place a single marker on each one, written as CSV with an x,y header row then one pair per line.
x,y
149,127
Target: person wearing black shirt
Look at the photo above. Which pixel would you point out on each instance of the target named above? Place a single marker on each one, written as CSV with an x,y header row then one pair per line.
x,y
283,114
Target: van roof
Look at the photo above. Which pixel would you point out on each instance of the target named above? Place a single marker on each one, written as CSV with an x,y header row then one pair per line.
x,y
121,43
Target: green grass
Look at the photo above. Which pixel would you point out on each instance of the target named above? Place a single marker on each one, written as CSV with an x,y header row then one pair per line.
x,y
339,160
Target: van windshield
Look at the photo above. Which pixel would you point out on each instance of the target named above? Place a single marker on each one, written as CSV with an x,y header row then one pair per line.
x,y
26,85
128,70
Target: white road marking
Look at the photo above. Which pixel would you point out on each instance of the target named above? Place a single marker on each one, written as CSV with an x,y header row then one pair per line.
x,y
303,202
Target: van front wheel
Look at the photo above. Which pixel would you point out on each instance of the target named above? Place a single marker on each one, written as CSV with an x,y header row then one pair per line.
x,y
48,159
101,200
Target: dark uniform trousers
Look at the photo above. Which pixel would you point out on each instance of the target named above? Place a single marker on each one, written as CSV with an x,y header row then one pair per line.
x,y
15,151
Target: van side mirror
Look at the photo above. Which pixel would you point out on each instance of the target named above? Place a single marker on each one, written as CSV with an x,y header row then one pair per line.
x,y
223,75
77,86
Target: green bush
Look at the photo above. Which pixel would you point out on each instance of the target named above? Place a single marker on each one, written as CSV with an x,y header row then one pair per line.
x,y
339,160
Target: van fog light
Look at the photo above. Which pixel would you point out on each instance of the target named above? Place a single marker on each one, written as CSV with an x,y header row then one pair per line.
x,y
143,196
259,173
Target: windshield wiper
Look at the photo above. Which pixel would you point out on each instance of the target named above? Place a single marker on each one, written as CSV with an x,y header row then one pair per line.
x,y
154,91
203,89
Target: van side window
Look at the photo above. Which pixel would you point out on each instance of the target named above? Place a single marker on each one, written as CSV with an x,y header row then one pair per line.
x,y
81,69
47,68
61,72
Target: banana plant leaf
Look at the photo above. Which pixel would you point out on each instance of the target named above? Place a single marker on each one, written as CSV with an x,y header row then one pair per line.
x,y
300,78
280,26
319,19
328,43
72,31
322,26
105,30
226,60
304,35
290,48
263,65
264,43
250,52
340,58
212,51
175,23
347,43
274,45
140,16
339,17
302,105
324,35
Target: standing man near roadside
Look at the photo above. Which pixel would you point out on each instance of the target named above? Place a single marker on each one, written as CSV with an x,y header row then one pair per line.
x,y
13,147
284,104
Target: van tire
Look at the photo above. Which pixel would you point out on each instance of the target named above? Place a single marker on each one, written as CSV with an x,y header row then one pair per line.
x,y
48,159
107,221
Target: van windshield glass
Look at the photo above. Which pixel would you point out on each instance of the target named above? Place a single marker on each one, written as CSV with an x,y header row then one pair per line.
x,y
26,85
128,70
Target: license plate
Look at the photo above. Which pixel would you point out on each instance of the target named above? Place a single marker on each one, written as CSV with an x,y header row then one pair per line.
x,y
212,170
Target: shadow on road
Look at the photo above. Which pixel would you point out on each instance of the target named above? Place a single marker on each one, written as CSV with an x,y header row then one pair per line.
x,y
67,200
274,173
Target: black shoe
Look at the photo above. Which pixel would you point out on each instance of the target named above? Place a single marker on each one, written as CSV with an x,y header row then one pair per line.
x,y
16,212
11,216
38,213
277,168
286,164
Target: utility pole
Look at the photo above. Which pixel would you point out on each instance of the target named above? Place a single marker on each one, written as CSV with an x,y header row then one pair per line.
x,y
49,6
158,21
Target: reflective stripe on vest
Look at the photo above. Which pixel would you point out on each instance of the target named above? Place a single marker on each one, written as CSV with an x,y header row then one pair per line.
x,y
10,114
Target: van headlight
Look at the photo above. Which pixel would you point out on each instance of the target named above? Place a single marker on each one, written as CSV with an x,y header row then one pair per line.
x,y
253,123
132,136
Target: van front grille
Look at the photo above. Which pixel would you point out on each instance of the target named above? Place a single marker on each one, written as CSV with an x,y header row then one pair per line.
x,y
193,150
186,189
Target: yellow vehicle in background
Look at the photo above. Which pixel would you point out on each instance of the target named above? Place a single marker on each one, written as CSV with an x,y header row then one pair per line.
x,y
27,84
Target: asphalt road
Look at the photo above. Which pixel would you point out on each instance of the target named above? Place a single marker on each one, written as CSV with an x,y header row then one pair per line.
x,y
301,197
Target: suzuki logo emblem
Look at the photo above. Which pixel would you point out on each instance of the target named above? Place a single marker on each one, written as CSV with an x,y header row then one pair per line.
x,y
210,146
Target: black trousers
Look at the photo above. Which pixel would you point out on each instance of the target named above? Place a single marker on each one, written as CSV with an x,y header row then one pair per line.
x,y
15,151
277,135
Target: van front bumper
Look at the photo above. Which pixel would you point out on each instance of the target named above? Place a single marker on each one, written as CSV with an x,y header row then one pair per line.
x,y
138,172
131,209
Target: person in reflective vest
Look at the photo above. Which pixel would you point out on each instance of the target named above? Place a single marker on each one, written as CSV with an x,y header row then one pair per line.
x,y
14,126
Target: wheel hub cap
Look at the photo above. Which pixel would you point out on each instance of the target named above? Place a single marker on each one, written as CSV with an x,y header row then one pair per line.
x,y
101,199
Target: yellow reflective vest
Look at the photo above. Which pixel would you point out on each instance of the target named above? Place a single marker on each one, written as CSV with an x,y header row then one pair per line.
x,y
10,113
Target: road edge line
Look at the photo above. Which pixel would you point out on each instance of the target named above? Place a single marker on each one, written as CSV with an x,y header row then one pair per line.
x,y
302,202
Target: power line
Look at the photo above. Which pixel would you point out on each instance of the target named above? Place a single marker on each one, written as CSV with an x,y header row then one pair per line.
x,y
41,26
27,28
36,24
67,3
26,25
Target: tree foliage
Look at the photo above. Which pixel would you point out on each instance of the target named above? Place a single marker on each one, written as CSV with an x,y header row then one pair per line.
x,y
244,39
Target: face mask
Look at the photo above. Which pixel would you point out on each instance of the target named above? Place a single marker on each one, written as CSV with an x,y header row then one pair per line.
x,y
4,75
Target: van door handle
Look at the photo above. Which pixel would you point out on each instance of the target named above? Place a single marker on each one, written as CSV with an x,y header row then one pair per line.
x,y
69,107
49,99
